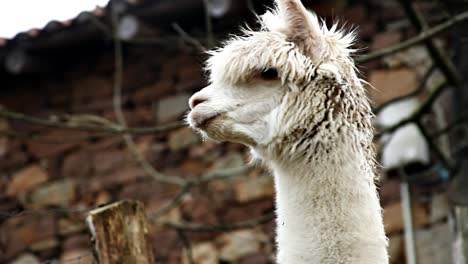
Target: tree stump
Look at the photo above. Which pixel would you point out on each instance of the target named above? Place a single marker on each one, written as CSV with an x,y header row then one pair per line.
x,y
120,233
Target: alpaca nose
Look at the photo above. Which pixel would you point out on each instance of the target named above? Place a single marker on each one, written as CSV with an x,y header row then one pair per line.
x,y
196,99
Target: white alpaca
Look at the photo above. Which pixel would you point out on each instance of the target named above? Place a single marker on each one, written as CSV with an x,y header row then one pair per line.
x,y
290,92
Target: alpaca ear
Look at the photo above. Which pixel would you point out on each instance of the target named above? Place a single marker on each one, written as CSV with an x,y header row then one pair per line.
x,y
301,26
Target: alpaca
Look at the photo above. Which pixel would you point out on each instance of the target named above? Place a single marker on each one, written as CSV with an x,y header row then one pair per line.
x,y
290,92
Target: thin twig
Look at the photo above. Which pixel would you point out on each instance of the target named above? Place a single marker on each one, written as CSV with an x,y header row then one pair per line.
x,y
421,37
223,228
417,91
208,25
423,108
115,129
117,103
224,174
433,147
187,245
176,201
458,121
18,213
39,138
440,59
189,39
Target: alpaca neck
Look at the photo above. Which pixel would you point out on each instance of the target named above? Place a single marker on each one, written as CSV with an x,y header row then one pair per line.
x,y
328,211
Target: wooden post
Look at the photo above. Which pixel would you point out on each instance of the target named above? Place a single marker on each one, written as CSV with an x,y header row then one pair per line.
x,y
120,233
461,243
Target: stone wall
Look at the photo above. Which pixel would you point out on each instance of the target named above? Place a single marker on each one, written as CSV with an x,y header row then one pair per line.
x,y
49,180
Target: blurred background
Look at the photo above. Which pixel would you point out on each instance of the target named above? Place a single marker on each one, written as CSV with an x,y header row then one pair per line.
x,y
91,102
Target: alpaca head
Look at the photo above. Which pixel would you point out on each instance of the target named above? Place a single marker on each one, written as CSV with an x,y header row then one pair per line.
x,y
274,82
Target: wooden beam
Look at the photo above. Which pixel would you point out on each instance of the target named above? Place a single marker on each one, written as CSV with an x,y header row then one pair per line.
x,y
120,233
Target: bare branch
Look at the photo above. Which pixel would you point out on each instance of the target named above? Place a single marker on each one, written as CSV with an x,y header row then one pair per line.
x,y
208,25
421,37
458,121
176,201
115,129
187,245
223,228
434,148
438,56
117,103
189,39
425,106
418,90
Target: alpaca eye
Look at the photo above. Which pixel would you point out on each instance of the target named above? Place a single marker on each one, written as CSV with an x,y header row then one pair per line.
x,y
269,74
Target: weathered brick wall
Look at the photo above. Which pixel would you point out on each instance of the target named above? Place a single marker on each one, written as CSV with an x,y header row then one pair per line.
x,y
49,181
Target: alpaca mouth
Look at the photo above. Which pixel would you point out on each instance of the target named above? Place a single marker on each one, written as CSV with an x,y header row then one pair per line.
x,y
205,122
201,121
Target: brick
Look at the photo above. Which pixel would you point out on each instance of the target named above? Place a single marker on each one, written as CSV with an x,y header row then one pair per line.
x,y
116,178
385,39
238,244
45,245
152,92
13,160
102,197
241,212
255,259
182,138
18,233
191,70
77,165
395,247
127,114
107,144
440,207
202,253
144,116
146,190
433,244
390,191
230,160
67,226
3,139
356,15
26,258
58,193
208,151
192,168
77,242
393,217
81,256
254,188
27,179
366,32
136,75
146,146
199,209
85,89
191,86
391,84
8,203
106,161
163,242
62,141
172,108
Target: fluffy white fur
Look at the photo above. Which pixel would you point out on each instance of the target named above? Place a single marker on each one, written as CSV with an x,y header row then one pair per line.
x,y
310,124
